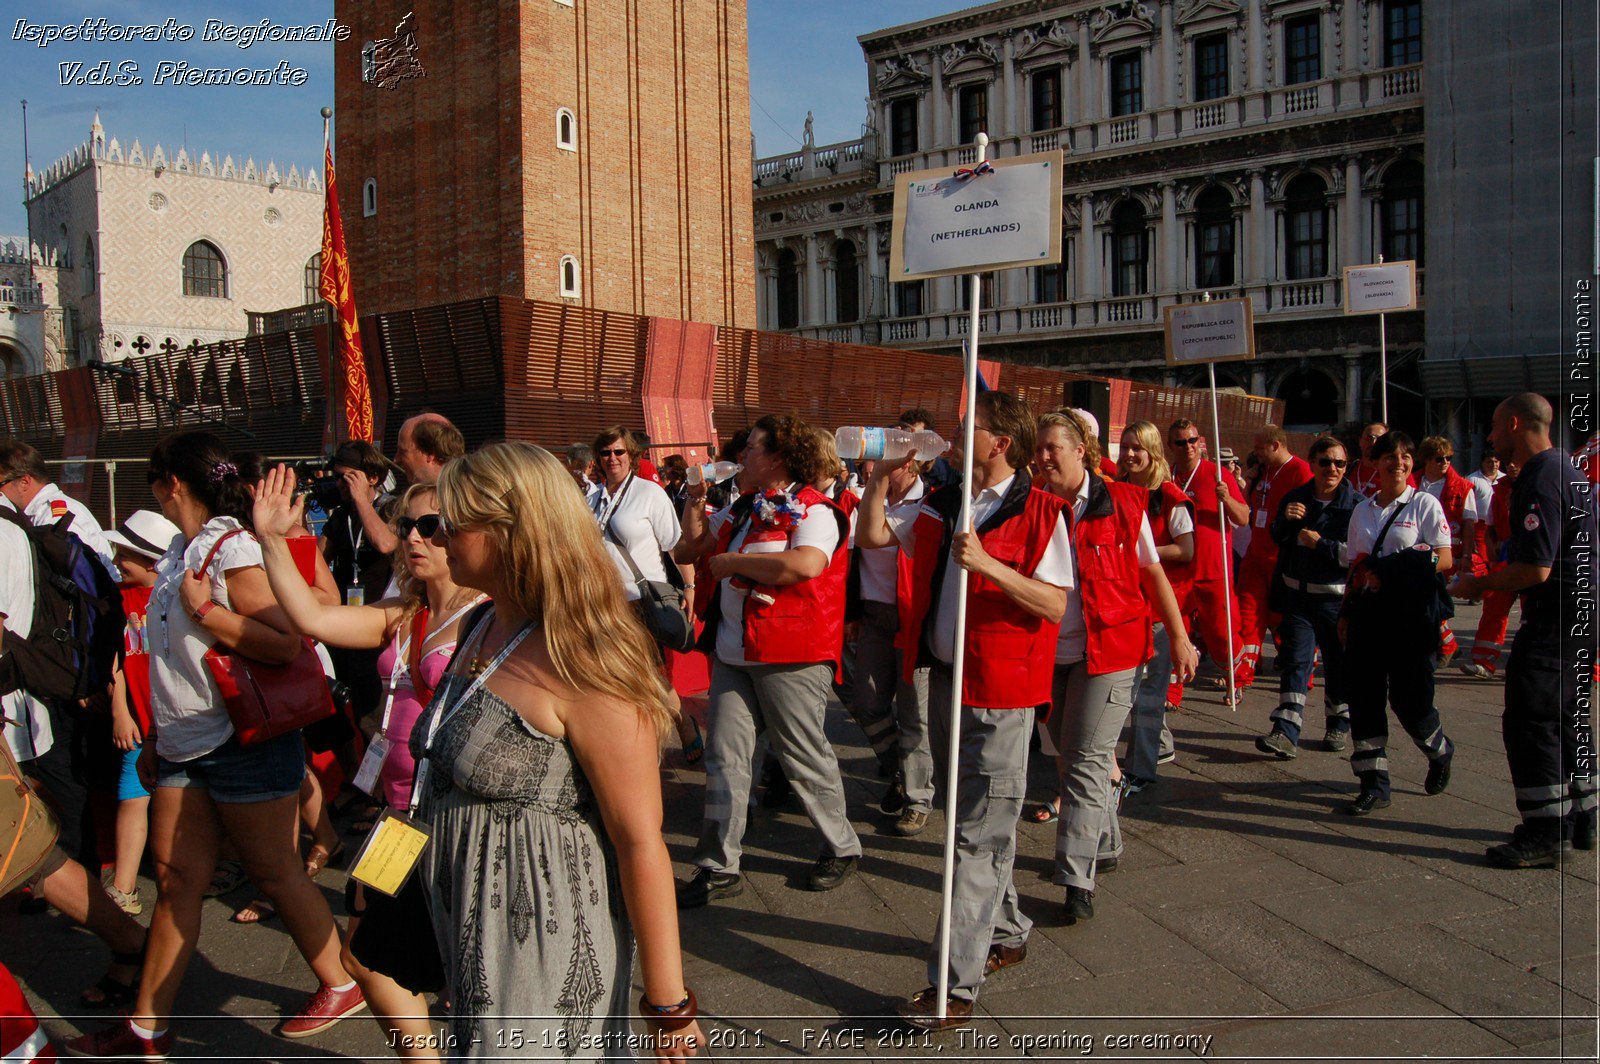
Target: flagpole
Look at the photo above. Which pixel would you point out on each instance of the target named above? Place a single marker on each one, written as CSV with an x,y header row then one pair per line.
x,y
1222,527
330,437
953,747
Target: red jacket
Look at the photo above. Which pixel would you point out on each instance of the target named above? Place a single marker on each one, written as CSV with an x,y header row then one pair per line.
x,y
1105,544
804,623
1009,654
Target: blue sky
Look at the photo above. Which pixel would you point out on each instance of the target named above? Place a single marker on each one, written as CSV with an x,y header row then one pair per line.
x,y
803,56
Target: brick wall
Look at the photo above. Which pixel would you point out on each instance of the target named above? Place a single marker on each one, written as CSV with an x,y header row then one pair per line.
x,y
474,197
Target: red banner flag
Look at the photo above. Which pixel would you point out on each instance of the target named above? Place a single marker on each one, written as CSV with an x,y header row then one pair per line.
x,y
334,287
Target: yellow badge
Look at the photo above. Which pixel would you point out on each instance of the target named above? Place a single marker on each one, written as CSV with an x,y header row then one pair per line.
x,y
390,853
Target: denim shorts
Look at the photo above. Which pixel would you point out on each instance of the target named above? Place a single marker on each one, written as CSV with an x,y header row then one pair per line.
x,y
260,772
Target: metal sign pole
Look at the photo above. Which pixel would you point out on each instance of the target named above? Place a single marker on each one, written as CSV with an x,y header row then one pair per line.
x,y
953,748
1383,362
1222,527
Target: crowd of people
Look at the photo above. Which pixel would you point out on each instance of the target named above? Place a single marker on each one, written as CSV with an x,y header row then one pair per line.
x,y
496,660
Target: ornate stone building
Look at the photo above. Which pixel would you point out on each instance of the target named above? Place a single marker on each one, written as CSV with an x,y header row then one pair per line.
x,y
1251,148
135,250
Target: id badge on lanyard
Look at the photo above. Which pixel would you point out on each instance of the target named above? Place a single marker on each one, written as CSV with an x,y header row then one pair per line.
x,y
392,850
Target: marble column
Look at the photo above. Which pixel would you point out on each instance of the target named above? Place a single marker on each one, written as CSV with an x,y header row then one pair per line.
x,y
1170,246
1167,95
1008,86
1259,232
1088,91
1354,249
813,296
1256,63
1258,379
1352,388
871,267
939,100
1088,258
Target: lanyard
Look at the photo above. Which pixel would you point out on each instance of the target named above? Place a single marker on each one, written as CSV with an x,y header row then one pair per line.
x,y
401,654
1186,483
608,504
448,710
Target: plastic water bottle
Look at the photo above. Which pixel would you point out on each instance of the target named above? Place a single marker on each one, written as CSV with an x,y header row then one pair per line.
x,y
865,444
712,472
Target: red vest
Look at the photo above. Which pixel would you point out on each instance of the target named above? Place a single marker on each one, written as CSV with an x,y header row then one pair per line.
x,y
1010,654
804,623
136,654
1453,497
1163,502
1106,545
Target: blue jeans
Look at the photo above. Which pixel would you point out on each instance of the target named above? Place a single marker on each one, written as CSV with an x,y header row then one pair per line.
x,y
1310,623
260,772
1149,737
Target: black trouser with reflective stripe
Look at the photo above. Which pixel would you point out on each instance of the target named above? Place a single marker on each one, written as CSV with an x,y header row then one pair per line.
x,y
1310,622
1385,666
1553,772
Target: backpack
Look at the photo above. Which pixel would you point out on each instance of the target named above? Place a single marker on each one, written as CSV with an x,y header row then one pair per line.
x,y
77,619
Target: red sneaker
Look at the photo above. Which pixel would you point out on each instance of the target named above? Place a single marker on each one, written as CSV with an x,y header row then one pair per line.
x,y
119,1043
324,1009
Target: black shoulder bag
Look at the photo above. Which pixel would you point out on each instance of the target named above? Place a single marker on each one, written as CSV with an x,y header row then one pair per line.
x,y
660,603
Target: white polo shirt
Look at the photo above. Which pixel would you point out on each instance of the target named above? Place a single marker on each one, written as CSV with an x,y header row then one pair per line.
x,y
818,528
879,564
47,508
1055,565
642,518
1420,520
30,736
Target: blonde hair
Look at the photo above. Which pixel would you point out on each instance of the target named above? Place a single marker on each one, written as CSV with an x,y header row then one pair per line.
x,y
1149,437
1078,433
558,571
413,593
832,468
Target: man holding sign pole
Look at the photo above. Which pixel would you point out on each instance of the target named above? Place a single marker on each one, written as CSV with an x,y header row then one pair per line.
x,y
1019,565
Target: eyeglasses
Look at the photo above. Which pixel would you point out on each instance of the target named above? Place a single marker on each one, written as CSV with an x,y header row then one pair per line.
x,y
1332,463
1187,441
427,526
450,529
609,454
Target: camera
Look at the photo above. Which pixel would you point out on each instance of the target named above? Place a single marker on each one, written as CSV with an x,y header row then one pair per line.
x,y
315,477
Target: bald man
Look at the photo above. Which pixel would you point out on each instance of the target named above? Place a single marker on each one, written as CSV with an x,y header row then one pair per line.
x,y
426,443
1546,725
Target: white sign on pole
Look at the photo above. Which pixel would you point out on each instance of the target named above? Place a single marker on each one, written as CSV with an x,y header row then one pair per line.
x,y
993,215
1381,288
1221,330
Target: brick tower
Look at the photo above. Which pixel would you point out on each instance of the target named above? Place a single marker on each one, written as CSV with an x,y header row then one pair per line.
x,y
588,151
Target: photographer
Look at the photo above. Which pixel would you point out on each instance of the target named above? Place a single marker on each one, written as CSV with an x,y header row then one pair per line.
x,y
357,543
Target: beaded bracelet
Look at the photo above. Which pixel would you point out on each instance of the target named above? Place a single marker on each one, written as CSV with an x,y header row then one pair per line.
x,y
670,1017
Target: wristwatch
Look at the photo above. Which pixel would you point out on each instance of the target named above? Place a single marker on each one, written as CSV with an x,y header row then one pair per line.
x,y
206,607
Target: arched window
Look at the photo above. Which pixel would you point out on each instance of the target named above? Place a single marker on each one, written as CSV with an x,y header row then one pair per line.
x,y
1130,250
985,290
314,278
1400,212
1310,400
236,391
369,197
1213,236
88,265
788,290
211,384
846,282
569,277
204,272
1305,222
566,130
183,385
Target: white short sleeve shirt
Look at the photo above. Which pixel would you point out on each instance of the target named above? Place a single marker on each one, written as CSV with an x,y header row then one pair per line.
x,y
44,510
1419,520
642,518
878,565
817,529
27,727
190,719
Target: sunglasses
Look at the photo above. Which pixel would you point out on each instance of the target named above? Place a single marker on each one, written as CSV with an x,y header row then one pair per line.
x,y
427,526
1332,463
1187,441
609,454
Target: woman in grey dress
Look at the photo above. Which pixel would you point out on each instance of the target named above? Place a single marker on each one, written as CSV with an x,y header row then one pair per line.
x,y
538,778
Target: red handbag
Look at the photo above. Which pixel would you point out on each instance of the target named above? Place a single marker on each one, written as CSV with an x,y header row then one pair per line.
x,y
265,701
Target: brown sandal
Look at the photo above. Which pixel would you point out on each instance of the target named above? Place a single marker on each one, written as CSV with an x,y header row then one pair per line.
x,y
258,911
320,857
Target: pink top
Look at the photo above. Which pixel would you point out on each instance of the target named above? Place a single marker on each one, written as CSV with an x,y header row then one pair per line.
x,y
398,767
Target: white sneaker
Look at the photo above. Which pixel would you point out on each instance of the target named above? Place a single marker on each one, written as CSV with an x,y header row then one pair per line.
x,y
1477,672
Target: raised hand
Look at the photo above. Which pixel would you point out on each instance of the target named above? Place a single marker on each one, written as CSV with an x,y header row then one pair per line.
x,y
277,509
